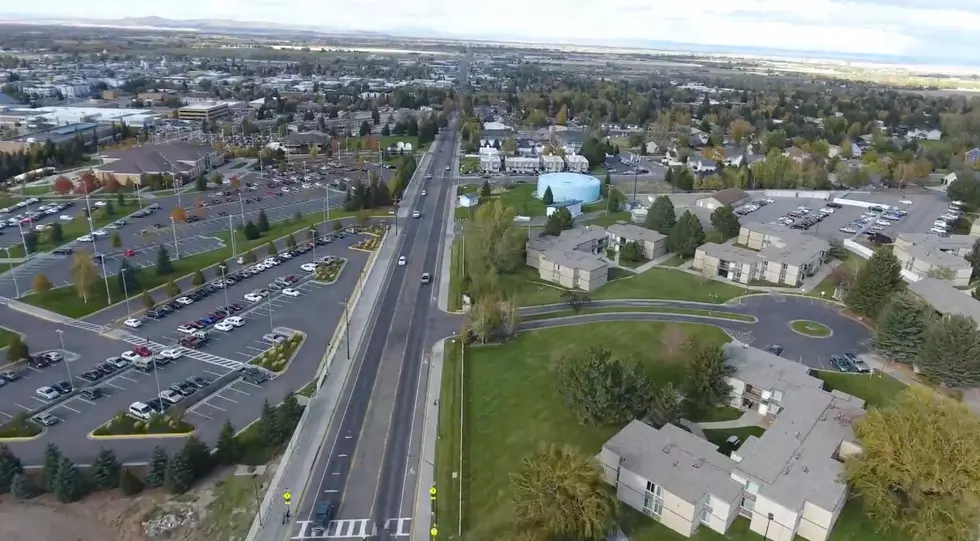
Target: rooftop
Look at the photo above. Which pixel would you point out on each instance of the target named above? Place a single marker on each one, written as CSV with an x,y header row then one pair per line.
x,y
946,299
935,242
729,252
729,196
632,232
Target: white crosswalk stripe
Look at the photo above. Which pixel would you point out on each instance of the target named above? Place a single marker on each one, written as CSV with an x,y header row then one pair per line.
x,y
189,353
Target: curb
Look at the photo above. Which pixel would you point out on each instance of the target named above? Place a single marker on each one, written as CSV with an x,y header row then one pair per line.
x,y
93,437
343,265
19,439
289,361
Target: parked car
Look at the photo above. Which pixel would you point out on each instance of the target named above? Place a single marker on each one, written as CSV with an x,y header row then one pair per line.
x,y
45,419
858,363
840,363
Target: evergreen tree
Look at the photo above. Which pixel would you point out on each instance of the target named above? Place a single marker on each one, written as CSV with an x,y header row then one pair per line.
x,y
485,190
951,352
290,241
198,279
270,248
178,476
158,467
10,466
876,282
706,381
270,428
669,176
901,329
20,487
173,290
129,483
226,450
251,231
49,471
548,197
69,485
973,257
197,456
128,277
725,221
263,224
164,265
147,299
250,257
686,235
17,349
106,470
56,233
289,411
661,216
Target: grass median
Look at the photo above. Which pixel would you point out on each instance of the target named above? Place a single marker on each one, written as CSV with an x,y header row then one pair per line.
x,y
449,471
641,309
67,301
125,425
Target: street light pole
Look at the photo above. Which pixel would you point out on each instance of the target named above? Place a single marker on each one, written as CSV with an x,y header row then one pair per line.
x,y
61,338
347,324
770,517
241,204
271,328
173,227
105,277
122,273
224,284
13,272
231,235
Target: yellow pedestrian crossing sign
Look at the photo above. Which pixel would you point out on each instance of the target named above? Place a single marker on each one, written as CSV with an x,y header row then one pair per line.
x,y
287,496
434,532
432,491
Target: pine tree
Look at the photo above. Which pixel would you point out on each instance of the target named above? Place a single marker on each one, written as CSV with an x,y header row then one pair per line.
x,y
661,216
106,470
973,257
178,476
49,472
263,224
270,248
251,231
876,282
290,410
20,487
129,483
270,427
164,265
198,279
226,450
724,220
10,466
951,352
197,456
290,241
686,235
69,485
901,329
548,197
158,467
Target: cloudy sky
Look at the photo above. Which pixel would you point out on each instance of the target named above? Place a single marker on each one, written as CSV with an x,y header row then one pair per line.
x,y
933,29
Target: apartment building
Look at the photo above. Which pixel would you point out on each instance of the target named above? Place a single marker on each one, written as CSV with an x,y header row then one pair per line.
x,y
572,259
577,163
945,299
552,164
490,159
784,482
522,164
936,257
204,111
652,243
764,253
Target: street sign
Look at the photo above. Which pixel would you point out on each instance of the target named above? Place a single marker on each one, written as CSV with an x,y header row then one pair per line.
x,y
287,496
434,532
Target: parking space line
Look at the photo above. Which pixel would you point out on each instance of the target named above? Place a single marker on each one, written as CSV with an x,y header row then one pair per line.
x,y
34,369
212,373
201,414
239,391
41,401
255,349
128,379
23,407
86,401
114,386
210,405
7,415
216,396
69,409
247,383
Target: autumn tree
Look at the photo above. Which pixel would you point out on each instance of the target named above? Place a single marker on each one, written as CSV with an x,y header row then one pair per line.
x,y
84,273
41,284
63,185
178,215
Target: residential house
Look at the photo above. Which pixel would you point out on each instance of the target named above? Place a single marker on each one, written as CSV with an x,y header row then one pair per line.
x,y
764,253
972,156
936,257
698,137
469,200
652,243
786,482
732,156
552,164
572,259
573,207
732,197
928,135
490,160
652,148
522,164
577,163
700,164
833,151
796,154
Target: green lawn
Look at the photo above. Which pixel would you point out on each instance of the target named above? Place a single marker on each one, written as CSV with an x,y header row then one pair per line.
x,y
512,406
448,468
825,289
468,165
711,415
456,276
876,389
528,288
647,309
6,337
520,198
811,328
719,436
610,218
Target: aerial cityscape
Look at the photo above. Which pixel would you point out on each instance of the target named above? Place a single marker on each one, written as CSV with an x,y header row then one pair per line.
x,y
266,277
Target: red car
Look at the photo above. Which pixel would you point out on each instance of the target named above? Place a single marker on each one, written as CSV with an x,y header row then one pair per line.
x,y
142,351
130,253
271,193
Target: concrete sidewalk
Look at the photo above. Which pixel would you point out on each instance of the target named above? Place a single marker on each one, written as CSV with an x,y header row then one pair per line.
x,y
422,516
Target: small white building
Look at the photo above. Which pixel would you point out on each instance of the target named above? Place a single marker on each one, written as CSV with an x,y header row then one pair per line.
x,y
577,163
573,207
469,200
552,164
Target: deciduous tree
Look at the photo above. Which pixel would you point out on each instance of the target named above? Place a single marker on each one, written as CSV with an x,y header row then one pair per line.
x,y
17,350
601,389
919,470
198,279
172,289
147,299
63,185
41,284
560,493
901,329
876,282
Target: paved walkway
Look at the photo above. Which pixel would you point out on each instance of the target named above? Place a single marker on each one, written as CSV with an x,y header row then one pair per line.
x,y
748,418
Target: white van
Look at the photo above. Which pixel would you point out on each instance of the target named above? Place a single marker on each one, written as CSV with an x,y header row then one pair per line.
x,y
144,364
141,410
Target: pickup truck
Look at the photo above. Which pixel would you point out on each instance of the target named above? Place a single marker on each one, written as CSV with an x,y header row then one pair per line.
x,y
195,340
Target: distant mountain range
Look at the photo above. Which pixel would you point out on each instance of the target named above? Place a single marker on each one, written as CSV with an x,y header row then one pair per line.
x,y
198,25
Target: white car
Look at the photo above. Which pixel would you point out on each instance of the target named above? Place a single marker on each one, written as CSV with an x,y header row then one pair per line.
x,y
130,356
173,353
171,396
85,238
185,301
99,233
253,297
416,214
99,204
905,202
186,329
423,192
224,326
118,362
47,393
235,320
65,218
270,261
308,267
133,322
402,261
291,292
240,260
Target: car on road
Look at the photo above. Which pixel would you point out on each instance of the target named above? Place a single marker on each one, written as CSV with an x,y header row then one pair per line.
x,y
402,261
224,326
308,267
172,353
85,238
840,363
423,192
45,419
447,168
133,322
416,214
171,396
426,278
47,393
290,292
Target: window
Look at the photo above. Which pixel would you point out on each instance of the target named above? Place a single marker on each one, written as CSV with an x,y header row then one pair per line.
x,y
653,501
707,511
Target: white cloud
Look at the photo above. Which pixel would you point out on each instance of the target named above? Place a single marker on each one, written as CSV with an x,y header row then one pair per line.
x,y
895,27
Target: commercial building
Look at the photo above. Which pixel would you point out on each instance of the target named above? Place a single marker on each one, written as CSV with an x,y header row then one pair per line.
x,y
131,166
731,197
60,136
652,243
936,257
764,253
572,259
577,163
785,482
204,111
552,164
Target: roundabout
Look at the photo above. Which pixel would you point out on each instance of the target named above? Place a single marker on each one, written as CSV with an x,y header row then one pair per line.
x,y
810,328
